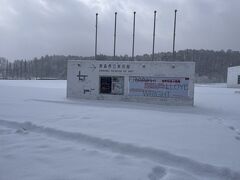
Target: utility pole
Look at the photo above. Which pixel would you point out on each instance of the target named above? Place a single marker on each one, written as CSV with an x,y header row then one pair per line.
x,y
174,35
114,45
154,27
133,43
96,36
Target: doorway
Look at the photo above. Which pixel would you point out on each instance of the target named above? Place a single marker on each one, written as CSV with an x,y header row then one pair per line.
x,y
112,85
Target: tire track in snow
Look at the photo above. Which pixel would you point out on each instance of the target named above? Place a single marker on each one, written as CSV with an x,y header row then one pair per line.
x,y
156,155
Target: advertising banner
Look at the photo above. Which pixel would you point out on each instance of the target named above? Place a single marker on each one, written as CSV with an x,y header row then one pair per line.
x,y
164,87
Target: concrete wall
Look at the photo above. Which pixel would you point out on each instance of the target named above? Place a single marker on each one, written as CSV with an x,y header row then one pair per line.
x,y
87,84
232,77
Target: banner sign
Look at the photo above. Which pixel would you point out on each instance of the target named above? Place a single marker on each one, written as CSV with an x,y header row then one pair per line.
x,y
164,87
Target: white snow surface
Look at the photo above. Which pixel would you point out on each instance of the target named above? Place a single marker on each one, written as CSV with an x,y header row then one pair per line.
x,y
43,135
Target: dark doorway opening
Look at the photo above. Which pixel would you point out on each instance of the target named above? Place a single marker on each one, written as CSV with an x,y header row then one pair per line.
x,y
105,85
112,85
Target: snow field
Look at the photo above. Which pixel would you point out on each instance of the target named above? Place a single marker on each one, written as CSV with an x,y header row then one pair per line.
x,y
45,136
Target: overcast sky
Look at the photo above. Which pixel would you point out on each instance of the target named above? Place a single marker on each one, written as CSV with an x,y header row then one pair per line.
x,y
32,28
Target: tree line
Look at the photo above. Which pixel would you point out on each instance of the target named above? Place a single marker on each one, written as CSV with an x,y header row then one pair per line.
x,y
211,66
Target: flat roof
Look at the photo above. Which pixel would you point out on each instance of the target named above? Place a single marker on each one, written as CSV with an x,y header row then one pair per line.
x,y
234,67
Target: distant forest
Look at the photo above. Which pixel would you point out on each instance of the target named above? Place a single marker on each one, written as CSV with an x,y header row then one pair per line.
x,y
211,66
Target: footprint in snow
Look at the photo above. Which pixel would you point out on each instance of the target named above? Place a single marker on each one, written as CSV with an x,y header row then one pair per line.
x,y
157,173
237,138
22,131
232,128
235,130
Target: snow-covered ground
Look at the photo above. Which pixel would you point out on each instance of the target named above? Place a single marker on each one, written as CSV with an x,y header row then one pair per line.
x,y
43,135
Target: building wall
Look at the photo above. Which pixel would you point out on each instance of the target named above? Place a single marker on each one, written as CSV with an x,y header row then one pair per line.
x,y
232,77
87,84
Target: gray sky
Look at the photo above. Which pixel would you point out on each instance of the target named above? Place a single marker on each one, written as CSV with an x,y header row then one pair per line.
x,y
32,28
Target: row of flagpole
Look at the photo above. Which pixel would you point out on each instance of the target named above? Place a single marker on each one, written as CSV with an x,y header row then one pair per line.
x,y
133,40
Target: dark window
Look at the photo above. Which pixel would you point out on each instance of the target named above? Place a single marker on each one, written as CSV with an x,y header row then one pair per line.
x,y
105,85
112,85
238,79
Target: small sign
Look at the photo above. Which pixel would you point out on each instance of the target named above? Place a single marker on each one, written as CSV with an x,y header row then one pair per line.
x,y
164,87
115,68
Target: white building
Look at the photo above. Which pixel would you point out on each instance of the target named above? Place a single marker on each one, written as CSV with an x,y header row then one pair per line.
x,y
233,77
138,81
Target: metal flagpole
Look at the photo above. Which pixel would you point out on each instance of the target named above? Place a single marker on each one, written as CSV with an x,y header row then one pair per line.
x,y
133,43
96,36
115,26
154,26
174,34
